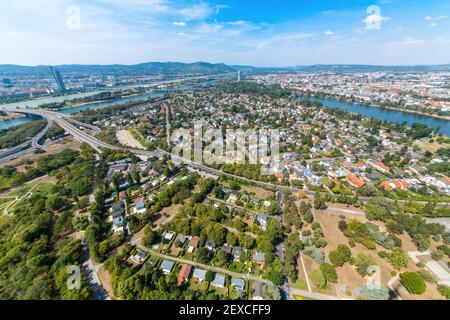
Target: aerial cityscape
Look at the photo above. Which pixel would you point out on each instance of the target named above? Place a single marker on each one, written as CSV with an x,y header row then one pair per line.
x,y
229,151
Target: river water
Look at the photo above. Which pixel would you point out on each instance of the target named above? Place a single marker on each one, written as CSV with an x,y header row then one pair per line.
x,y
384,114
92,106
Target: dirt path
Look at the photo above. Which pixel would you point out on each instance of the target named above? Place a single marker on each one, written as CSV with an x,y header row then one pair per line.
x,y
126,138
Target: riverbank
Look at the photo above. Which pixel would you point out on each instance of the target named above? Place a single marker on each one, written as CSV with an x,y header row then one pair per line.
x,y
398,116
11,116
322,95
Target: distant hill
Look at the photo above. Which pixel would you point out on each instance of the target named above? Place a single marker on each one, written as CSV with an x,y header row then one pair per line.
x,y
150,68
342,68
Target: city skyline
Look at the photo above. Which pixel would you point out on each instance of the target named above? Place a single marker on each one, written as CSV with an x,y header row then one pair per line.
x,y
263,34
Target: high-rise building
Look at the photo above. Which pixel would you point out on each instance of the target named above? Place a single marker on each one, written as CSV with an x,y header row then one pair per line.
x,y
7,83
58,79
239,76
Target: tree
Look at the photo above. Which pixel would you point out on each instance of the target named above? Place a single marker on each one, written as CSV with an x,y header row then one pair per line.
x,y
271,292
340,256
222,258
444,291
379,209
319,202
342,225
329,271
413,282
231,239
209,276
318,278
150,236
203,255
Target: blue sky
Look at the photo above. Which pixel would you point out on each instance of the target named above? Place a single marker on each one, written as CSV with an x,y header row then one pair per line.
x,y
260,33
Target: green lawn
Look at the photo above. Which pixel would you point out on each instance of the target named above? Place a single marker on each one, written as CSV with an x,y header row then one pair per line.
x,y
299,284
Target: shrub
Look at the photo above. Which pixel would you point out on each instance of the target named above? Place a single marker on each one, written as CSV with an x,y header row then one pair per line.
x,y
318,278
342,225
340,256
381,293
398,258
413,282
382,254
329,271
444,291
362,263
369,244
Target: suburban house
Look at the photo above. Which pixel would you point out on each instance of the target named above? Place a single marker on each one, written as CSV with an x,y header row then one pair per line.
x,y
118,222
139,206
398,184
210,245
122,195
193,244
380,166
354,180
117,207
238,284
232,198
262,220
139,257
184,273
168,236
199,274
219,281
227,248
167,266
259,257
258,291
237,253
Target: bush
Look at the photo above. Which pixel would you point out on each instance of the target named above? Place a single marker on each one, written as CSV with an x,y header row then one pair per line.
x,y
398,258
318,278
382,254
340,256
369,244
342,225
413,282
329,271
444,291
362,263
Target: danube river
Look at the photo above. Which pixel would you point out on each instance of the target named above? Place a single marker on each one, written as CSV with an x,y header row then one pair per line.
x,y
385,114
91,106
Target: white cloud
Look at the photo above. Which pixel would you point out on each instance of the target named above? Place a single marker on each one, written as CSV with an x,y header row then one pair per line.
x,y
179,23
196,12
412,40
329,33
430,18
237,23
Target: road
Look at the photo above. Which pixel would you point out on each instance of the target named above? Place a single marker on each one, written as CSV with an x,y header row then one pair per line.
x,y
33,143
98,292
204,266
314,295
